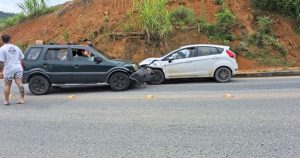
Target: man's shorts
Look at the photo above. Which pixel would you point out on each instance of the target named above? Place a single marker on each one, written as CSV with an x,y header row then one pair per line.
x,y
12,76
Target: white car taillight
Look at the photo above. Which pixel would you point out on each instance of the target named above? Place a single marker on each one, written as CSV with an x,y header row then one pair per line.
x,y
230,54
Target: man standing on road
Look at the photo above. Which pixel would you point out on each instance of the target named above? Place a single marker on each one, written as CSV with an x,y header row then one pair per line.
x,y
11,60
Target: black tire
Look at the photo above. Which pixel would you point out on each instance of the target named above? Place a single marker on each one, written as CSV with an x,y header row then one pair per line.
x,y
223,75
157,77
119,81
39,85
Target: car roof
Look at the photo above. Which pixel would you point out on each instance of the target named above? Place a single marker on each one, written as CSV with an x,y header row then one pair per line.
x,y
205,45
57,45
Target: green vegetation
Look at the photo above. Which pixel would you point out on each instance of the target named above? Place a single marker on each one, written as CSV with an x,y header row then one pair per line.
x,y
66,36
183,16
280,48
220,31
154,18
297,29
263,46
30,8
131,23
225,18
219,2
11,21
264,57
5,15
106,19
23,46
286,7
264,25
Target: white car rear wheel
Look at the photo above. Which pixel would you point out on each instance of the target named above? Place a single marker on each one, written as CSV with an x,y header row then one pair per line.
x,y
223,75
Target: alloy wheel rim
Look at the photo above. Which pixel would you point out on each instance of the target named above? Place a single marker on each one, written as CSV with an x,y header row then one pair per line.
x,y
119,82
157,77
38,85
223,74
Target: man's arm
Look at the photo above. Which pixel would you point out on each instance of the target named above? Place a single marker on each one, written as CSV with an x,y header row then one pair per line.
x,y
22,63
1,66
1,69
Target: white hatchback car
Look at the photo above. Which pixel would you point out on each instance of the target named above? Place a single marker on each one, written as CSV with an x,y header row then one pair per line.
x,y
194,61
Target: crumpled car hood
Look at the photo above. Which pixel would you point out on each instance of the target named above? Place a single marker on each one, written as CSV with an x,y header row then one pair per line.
x,y
148,61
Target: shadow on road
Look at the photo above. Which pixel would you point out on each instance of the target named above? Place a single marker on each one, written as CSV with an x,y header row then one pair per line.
x,y
189,80
99,89
80,89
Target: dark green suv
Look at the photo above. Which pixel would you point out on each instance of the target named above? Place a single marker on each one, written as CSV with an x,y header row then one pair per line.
x,y
50,65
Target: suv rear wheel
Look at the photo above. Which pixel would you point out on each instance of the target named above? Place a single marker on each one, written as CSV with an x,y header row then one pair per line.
x,y
223,75
39,85
119,81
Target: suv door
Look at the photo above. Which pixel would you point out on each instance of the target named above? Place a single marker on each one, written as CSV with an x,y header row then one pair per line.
x,y
58,65
205,58
85,67
180,66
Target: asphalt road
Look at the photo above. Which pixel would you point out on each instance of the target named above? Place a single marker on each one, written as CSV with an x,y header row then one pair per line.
x,y
248,117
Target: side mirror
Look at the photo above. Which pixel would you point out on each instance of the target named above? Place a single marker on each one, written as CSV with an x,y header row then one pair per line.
x,y
98,60
171,59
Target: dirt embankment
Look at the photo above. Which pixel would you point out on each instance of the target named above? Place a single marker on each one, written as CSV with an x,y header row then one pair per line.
x,y
78,20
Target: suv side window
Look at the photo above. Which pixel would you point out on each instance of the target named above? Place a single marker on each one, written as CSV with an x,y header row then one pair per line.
x,y
33,53
57,54
82,55
205,51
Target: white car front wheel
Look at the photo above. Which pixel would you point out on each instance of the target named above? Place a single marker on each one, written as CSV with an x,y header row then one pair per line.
x,y
157,77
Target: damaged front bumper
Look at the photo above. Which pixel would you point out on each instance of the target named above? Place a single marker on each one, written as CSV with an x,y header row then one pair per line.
x,y
141,76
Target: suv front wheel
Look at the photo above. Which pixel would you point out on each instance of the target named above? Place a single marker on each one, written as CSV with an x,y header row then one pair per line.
x,y
119,81
39,85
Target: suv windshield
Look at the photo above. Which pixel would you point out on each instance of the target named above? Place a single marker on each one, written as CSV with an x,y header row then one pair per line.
x,y
101,53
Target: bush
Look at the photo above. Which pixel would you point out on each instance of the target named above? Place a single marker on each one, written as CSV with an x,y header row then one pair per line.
x,y
11,21
219,2
154,18
225,18
183,16
264,24
66,36
207,28
297,29
32,7
220,31
287,7
280,48
264,27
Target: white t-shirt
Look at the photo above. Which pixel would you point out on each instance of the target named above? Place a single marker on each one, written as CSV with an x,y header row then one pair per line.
x,y
11,56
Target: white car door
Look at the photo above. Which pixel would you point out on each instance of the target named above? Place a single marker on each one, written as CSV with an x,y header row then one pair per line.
x,y
205,58
180,65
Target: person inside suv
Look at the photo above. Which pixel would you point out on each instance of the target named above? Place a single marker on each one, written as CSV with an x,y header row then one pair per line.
x,y
82,55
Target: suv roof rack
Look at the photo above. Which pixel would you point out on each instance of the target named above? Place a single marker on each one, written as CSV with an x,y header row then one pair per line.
x,y
53,43
72,44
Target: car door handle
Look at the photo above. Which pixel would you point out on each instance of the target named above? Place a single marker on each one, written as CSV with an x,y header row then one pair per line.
x,y
76,66
45,65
